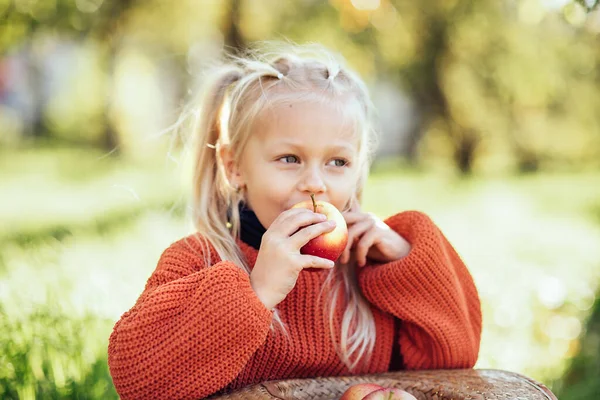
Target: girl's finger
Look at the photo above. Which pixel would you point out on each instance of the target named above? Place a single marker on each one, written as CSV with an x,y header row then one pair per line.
x,y
290,221
304,235
352,217
363,246
282,219
354,233
308,261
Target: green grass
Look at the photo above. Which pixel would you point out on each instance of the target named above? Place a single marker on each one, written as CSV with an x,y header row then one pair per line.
x,y
55,192
82,233
47,354
581,380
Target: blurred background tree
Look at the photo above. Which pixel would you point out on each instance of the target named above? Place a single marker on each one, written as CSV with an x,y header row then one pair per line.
x,y
28,25
483,92
501,94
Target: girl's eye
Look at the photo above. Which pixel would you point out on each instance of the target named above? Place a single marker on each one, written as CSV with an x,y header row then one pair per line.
x,y
339,162
290,159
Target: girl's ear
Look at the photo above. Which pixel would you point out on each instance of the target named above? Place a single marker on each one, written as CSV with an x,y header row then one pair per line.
x,y
232,170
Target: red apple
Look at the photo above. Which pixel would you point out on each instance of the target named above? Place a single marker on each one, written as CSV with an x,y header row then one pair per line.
x,y
359,391
389,394
329,245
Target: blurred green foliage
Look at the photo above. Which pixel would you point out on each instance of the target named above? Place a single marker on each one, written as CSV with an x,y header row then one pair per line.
x,y
581,382
495,85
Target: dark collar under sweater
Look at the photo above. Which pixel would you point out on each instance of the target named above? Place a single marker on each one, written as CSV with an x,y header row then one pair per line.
x,y
251,230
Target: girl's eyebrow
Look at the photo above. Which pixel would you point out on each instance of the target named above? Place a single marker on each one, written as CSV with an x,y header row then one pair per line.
x,y
299,145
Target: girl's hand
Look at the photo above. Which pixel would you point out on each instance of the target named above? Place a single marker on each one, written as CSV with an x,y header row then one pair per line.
x,y
371,238
279,261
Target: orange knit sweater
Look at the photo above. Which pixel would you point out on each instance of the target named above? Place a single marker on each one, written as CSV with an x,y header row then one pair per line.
x,y
200,329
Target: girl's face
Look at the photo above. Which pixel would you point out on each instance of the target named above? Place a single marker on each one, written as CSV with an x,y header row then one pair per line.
x,y
295,150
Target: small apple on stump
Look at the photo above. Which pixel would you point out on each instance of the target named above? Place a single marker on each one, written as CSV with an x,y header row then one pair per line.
x,y
389,394
359,391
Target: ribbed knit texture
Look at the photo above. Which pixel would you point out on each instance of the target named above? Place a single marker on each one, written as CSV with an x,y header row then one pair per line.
x,y
200,329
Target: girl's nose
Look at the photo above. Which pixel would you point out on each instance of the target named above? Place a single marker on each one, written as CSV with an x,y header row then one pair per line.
x,y
312,182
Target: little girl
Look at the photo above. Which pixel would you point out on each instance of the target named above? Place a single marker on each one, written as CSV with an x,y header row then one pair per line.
x,y
232,305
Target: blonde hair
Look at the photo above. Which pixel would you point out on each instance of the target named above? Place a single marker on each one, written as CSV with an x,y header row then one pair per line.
x,y
238,91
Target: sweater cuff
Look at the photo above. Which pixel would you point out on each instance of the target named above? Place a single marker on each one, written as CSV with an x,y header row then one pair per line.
x,y
382,283
408,224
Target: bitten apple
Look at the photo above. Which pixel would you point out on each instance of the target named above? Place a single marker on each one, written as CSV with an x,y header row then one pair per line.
x,y
359,391
329,245
389,394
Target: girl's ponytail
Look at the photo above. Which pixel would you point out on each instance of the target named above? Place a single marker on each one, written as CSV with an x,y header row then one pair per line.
x,y
211,192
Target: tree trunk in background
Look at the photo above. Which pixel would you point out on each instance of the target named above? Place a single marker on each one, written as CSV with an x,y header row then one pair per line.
x,y
107,33
464,151
528,160
425,80
110,138
36,128
234,41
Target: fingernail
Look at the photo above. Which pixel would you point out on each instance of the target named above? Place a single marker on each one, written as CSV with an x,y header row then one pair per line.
x,y
331,222
322,217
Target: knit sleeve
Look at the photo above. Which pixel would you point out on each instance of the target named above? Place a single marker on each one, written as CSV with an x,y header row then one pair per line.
x,y
432,293
190,333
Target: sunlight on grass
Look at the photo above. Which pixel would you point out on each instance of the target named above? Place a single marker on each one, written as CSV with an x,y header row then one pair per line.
x,y
42,197
103,275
